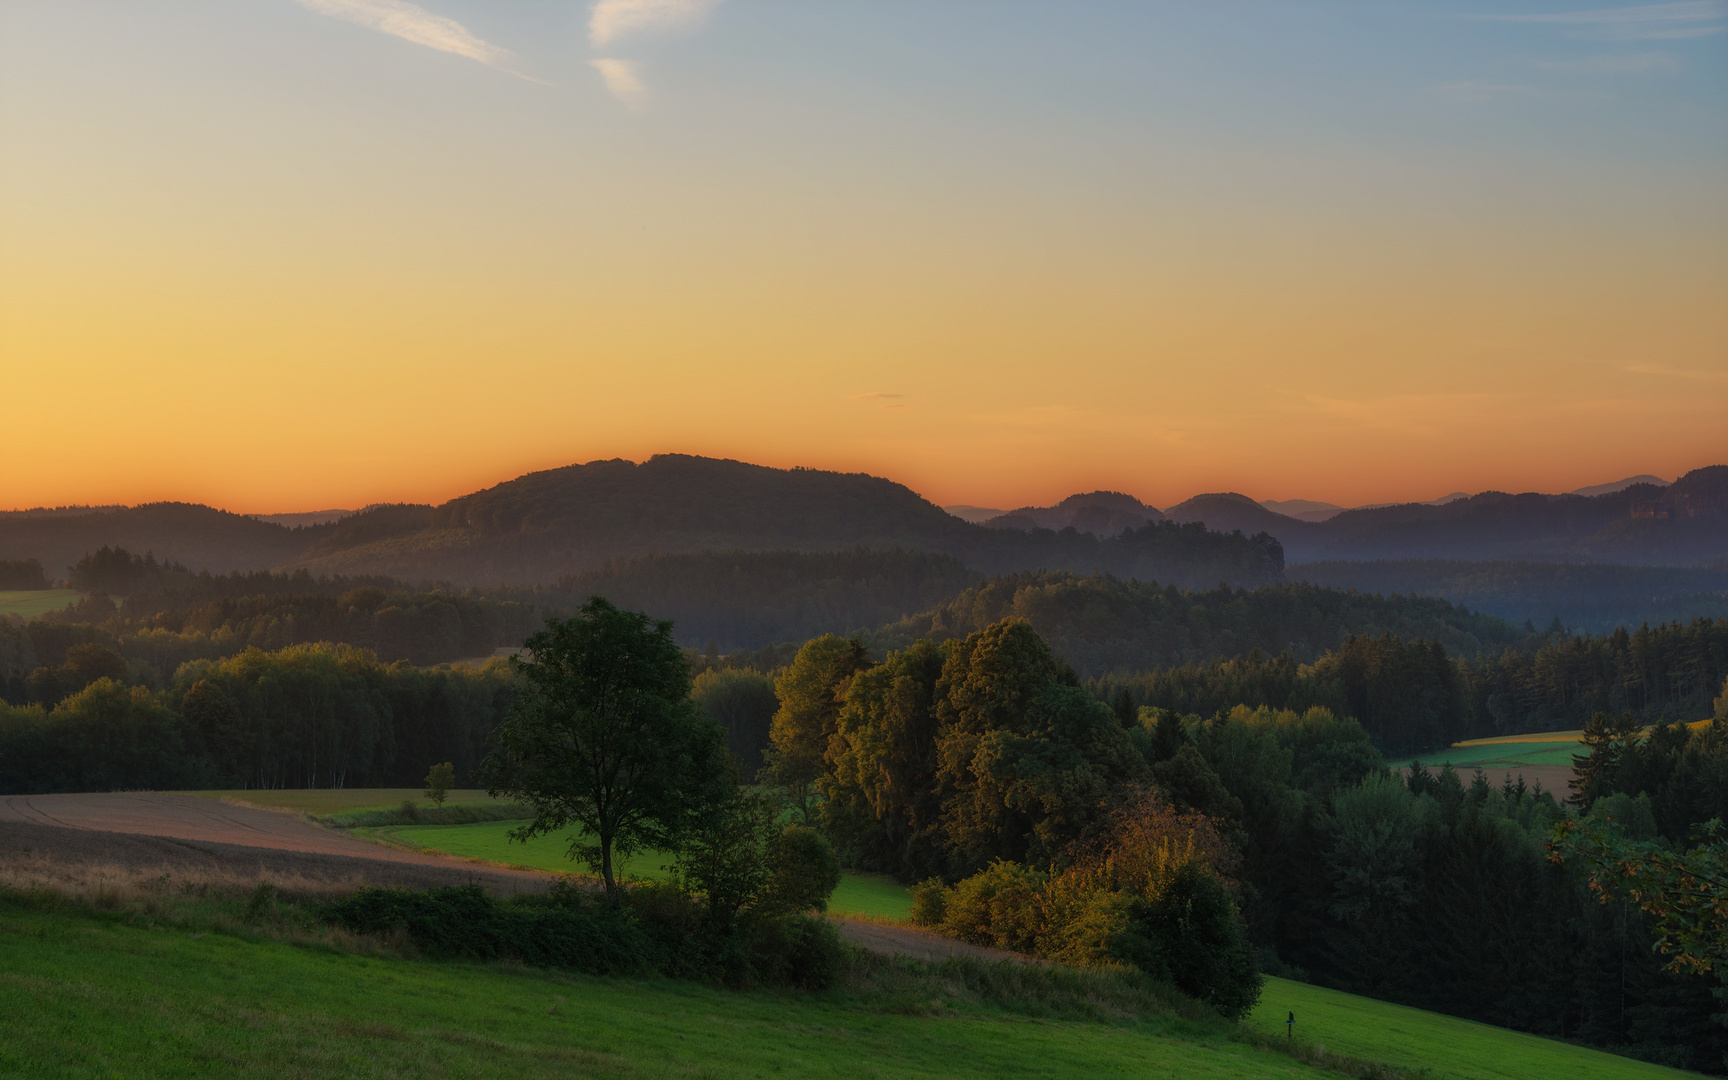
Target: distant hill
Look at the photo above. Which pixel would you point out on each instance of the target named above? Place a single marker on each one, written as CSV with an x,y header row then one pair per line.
x,y
305,517
1101,513
977,515
537,528
1620,485
1229,510
1685,523
1302,509
540,527
198,536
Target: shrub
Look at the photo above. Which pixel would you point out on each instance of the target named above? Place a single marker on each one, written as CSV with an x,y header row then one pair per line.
x,y
1148,894
929,903
562,929
656,928
803,871
1189,935
1000,905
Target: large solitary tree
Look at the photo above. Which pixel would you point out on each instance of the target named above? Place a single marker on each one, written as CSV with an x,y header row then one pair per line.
x,y
605,735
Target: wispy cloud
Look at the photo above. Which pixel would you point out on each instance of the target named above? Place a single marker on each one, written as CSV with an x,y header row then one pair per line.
x,y
622,80
1476,92
1696,374
1646,22
612,19
1626,64
410,22
884,401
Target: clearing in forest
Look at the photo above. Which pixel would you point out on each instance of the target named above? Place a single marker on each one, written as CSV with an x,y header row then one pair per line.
x,y
29,603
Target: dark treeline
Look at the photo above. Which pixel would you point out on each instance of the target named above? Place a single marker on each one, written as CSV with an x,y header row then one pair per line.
x,y
168,616
1592,597
1659,781
1408,695
1439,894
1188,555
304,716
317,715
1658,673
1105,625
22,574
745,600
1413,698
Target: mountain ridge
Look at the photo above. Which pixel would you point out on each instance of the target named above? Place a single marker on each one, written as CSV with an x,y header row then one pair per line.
x,y
546,524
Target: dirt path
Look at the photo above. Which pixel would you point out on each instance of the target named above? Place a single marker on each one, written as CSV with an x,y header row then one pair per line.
x,y
918,944
147,833
135,830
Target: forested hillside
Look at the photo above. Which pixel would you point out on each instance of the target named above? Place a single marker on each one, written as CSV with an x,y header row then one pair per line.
x,y
745,600
1104,624
1592,597
169,616
196,536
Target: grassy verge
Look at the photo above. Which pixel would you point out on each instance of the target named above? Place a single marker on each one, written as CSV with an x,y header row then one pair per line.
x,y
872,895
1443,1045
127,995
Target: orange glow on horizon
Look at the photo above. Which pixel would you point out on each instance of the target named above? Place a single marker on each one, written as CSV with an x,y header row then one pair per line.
x,y
282,262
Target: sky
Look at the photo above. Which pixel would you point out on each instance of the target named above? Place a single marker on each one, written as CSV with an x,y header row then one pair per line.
x,y
281,255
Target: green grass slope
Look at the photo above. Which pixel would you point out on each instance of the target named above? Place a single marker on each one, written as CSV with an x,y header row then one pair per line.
x,y
1443,1045
108,998
858,894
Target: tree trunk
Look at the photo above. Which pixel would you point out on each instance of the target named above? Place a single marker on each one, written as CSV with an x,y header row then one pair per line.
x,y
606,868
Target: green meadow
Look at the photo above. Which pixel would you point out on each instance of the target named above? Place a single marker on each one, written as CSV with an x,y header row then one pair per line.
x,y
871,895
1442,1045
1544,749
29,603
129,995
119,997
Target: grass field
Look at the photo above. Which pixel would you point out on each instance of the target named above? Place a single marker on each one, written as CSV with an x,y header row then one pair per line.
x,y
107,997
1443,1045
858,894
30,603
1551,748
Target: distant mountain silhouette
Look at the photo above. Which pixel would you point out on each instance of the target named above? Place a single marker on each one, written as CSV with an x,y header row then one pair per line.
x,y
1303,509
977,515
1228,510
305,517
198,536
539,527
1101,513
1685,523
1620,485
